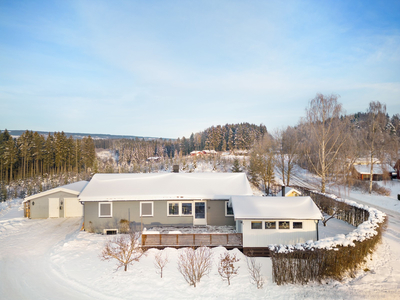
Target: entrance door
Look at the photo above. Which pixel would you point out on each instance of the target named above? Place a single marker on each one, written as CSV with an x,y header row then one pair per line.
x,y
54,211
200,213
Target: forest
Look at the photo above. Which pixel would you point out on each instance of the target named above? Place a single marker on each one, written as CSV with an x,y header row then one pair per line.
x,y
325,141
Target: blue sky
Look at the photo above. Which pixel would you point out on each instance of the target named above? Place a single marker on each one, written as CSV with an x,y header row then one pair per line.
x,y
170,68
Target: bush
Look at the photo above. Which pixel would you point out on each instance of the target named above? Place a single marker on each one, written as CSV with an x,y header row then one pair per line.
x,y
123,248
194,264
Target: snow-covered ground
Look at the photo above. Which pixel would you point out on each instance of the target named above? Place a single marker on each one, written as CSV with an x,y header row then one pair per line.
x,y
53,259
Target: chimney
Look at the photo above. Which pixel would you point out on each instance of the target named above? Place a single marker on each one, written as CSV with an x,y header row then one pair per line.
x,y
283,191
175,168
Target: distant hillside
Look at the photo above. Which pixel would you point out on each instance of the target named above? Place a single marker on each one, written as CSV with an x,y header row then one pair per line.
x,y
17,133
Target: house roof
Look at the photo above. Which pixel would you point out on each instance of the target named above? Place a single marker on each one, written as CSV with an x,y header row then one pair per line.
x,y
72,188
377,169
164,186
288,190
256,208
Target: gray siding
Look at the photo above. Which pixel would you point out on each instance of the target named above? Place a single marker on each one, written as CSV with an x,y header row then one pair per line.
x,y
216,214
40,208
130,210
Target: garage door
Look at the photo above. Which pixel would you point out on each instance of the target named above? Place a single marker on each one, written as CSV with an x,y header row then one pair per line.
x,y
54,211
73,208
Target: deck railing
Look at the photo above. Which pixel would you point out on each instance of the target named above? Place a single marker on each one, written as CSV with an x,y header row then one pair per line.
x,y
192,240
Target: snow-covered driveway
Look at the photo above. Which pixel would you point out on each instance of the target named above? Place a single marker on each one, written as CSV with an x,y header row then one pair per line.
x,y
25,268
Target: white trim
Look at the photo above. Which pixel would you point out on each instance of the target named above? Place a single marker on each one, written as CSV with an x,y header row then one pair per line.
x,y
49,192
199,221
226,210
111,210
181,211
152,208
179,208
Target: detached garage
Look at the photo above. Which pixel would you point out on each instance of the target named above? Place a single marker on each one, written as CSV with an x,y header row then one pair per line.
x,y
60,202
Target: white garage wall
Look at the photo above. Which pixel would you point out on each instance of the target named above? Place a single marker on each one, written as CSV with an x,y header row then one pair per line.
x,y
72,207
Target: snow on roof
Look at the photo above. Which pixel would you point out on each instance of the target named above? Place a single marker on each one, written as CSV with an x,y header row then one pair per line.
x,y
288,190
75,188
255,208
159,186
377,169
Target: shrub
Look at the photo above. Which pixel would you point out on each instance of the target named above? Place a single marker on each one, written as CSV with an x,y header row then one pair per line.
x,y
254,268
123,248
194,264
160,262
226,267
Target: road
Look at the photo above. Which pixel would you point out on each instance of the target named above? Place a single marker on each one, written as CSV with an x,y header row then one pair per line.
x,y
385,275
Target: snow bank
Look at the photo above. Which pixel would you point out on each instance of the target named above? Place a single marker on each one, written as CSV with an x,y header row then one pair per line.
x,y
364,231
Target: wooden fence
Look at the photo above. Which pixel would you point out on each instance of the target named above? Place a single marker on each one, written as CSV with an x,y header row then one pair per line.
x,y
192,240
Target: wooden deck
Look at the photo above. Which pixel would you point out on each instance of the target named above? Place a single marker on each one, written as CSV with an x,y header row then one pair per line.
x,y
179,240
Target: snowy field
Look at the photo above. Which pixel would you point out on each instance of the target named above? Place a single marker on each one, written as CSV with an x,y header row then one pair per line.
x,y
53,259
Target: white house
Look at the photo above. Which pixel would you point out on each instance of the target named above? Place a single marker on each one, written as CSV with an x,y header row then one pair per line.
x,y
265,221
161,199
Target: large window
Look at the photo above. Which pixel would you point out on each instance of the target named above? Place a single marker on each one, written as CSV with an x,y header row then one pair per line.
x,y
228,209
256,225
180,209
105,209
146,209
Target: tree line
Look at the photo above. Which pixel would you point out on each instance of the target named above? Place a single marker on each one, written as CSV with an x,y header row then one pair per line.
x,y
328,142
32,154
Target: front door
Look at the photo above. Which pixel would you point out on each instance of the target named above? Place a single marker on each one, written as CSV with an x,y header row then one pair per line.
x,y
200,213
54,211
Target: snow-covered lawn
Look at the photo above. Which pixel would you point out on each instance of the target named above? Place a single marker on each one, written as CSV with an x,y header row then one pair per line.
x,y
53,259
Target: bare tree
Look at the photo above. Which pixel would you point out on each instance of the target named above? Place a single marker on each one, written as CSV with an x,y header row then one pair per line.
x,y
287,151
226,267
326,134
160,262
375,137
194,264
254,268
123,248
262,164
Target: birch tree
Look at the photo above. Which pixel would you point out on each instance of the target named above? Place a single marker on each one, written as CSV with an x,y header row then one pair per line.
x,y
326,134
375,136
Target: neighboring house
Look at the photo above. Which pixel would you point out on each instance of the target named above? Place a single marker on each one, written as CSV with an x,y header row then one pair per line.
x,y
397,168
60,202
203,152
265,221
291,192
379,172
161,199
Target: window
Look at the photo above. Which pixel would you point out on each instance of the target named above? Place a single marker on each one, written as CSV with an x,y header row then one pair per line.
x,y
105,209
228,209
270,225
146,209
179,209
186,208
173,208
284,225
256,225
297,225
